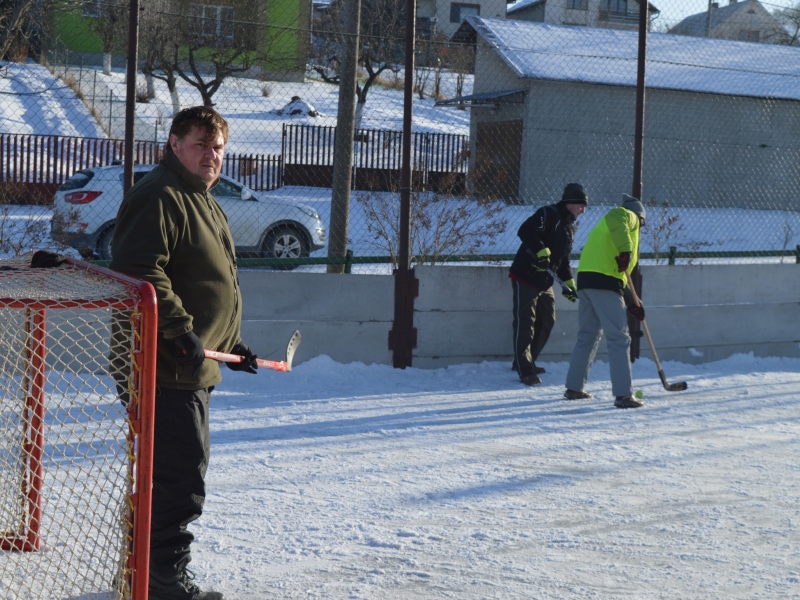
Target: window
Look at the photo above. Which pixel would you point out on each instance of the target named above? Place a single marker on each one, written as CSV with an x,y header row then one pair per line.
x,y
459,12
578,4
618,6
226,188
213,23
749,35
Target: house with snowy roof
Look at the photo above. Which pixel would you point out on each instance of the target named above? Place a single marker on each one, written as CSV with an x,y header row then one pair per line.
x,y
747,21
616,14
554,104
445,16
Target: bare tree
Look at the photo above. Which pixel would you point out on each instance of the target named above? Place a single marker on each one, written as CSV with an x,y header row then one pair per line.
x,y
220,41
157,51
110,23
18,22
461,58
381,47
790,19
442,225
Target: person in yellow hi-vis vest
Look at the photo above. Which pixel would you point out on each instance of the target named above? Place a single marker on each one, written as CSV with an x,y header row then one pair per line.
x,y
610,252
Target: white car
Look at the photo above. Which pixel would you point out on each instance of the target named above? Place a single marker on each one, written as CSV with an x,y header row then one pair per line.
x,y
85,207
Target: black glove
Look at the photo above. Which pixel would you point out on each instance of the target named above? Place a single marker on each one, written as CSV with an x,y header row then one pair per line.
x,y
637,311
188,350
623,261
249,364
44,259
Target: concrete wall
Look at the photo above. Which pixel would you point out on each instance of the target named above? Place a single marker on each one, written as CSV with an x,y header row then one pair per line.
x,y
696,313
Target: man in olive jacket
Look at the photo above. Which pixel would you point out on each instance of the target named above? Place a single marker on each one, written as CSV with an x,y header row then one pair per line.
x,y
171,232
546,243
610,253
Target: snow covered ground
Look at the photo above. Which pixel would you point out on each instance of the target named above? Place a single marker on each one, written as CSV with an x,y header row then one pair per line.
x,y
366,482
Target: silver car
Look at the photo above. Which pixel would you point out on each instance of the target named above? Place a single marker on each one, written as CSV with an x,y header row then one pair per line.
x,y
85,208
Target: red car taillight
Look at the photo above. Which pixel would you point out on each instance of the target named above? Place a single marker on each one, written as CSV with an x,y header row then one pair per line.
x,y
81,197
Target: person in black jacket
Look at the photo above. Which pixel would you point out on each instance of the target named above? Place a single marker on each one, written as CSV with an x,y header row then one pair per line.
x,y
546,244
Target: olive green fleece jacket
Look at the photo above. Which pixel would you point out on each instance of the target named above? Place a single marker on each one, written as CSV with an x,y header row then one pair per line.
x,y
171,232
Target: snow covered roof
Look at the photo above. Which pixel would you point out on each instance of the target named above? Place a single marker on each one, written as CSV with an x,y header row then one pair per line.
x,y
609,56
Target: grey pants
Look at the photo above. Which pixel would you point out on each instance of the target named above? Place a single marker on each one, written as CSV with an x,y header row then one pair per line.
x,y
601,311
534,317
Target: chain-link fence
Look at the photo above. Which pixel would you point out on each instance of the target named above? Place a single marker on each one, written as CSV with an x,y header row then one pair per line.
x,y
510,103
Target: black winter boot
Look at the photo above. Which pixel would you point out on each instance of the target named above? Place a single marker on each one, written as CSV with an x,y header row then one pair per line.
x,y
627,402
532,379
181,587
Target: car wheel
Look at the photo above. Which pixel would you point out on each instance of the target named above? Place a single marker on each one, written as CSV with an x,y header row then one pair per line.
x,y
104,243
285,242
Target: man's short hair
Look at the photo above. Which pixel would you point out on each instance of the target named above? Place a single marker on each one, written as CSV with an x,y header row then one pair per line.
x,y
201,117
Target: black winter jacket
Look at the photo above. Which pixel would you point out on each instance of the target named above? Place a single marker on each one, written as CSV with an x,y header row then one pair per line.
x,y
552,227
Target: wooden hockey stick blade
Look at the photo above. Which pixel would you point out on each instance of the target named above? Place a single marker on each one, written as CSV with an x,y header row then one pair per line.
x,y
678,386
276,365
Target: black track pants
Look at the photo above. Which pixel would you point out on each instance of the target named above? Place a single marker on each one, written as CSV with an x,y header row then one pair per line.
x,y
534,317
181,453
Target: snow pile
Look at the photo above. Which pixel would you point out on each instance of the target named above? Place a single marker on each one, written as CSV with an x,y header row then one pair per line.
x,y
298,106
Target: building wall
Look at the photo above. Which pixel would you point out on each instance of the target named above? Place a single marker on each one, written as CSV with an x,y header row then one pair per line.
x,y
534,13
495,9
557,12
463,314
753,17
699,149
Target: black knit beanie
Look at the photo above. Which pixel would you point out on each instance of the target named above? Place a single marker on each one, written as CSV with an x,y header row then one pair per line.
x,y
575,193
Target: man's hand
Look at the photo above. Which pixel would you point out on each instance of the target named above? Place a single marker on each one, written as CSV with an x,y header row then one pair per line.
x,y
541,261
623,261
188,351
249,364
572,295
637,310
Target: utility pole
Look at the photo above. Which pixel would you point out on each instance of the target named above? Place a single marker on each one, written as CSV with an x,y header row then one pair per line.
x,y
403,336
343,141
638,158
130,93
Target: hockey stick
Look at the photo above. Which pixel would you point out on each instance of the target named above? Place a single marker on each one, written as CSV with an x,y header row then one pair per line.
x,y
557,279
678,386
276,365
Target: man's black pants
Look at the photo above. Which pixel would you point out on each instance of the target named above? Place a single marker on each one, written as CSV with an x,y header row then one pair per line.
x,y
180,459
534,317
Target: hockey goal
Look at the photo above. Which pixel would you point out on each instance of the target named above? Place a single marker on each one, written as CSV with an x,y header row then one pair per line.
x,y
77,382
